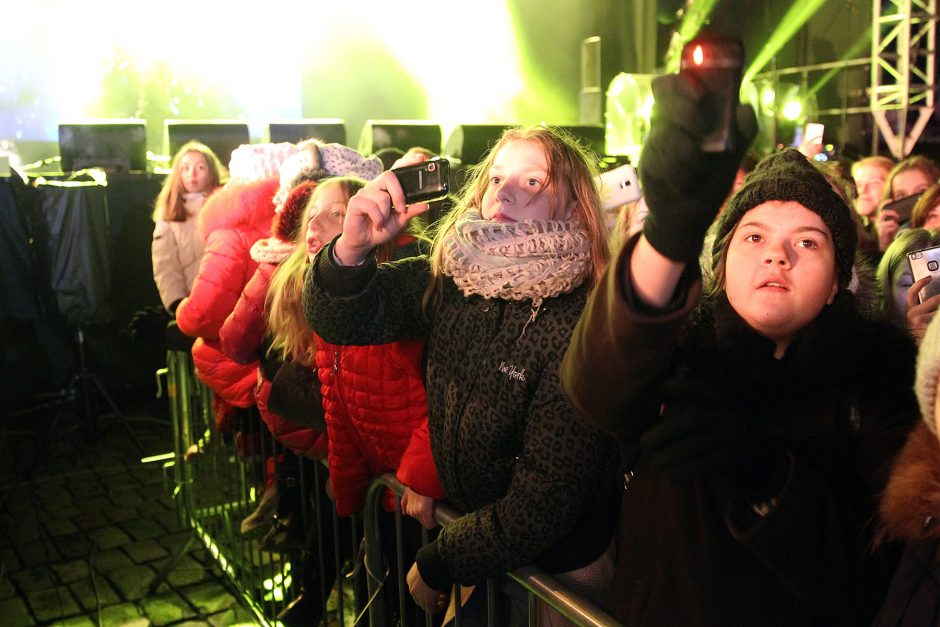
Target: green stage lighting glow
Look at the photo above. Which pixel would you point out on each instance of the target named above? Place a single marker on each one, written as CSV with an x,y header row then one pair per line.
x,y
792,110
796,16
485,88
858,46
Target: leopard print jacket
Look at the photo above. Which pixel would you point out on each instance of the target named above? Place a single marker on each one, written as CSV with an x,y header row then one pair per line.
x,y
508,447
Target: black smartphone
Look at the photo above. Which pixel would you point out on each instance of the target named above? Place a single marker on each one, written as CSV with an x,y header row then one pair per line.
x,y
716,62
424,182
903,207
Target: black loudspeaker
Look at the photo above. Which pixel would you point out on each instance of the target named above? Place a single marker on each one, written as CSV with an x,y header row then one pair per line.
x,y
402,134
590,135
222,136
330,130
470,142
115,145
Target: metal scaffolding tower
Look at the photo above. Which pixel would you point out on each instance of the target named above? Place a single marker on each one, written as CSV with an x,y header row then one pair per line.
x,y
903,49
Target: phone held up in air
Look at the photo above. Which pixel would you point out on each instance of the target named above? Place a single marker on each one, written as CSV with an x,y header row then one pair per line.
x,y
715,63
904,207
924,262
425,181
618,187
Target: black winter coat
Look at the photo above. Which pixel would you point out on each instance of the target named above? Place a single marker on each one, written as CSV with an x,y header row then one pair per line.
x,y
840,403
536,480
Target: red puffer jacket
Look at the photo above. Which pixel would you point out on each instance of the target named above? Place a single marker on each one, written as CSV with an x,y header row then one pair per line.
x,y
232,220
241,337
376,418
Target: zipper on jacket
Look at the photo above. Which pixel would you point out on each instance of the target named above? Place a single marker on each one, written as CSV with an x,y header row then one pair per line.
x,y
335,361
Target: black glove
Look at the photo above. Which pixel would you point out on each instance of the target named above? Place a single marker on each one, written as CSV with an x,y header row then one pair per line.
x,y
698,436
147,325
683,186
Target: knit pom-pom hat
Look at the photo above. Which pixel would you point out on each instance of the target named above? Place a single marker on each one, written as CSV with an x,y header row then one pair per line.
x,y
928,369
315,160
253,162
789,176
289,216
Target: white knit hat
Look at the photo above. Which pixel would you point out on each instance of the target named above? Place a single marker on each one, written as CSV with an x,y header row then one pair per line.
x,y
315,160
928,369
254,162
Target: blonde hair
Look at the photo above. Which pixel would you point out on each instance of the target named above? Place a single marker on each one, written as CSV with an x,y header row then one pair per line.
x,y
291,337
917,162
929,200
571,172
169,206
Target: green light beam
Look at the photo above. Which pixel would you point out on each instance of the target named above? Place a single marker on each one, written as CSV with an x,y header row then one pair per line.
x,y
796,16
696,13
862,43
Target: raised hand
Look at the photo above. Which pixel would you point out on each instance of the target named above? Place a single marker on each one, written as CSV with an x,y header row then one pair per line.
x,y
374,216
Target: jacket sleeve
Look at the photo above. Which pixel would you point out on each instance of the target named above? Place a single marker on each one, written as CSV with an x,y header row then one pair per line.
x,y
563,462
223,272
243,330
167,270
618,354
416,469
366,305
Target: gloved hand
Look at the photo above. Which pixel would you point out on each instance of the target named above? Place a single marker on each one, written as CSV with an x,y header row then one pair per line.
x,y
683,186
147,325
698,436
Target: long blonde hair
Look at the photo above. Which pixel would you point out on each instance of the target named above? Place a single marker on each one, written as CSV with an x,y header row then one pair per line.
x,y
291,337
571,172
169,206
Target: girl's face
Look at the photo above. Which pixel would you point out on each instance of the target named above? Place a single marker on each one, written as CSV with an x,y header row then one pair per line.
x,y
869,182
908,183
326,214
194,172
780,270
932,218
519,171
901,279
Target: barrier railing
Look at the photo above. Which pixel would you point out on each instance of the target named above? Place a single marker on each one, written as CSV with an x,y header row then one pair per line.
x,y
536,584
219,480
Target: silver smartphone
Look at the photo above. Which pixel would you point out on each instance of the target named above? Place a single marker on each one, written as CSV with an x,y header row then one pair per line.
x,y
924,262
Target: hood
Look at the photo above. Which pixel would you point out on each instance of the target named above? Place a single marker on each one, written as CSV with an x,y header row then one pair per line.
x,y
910,505
239,205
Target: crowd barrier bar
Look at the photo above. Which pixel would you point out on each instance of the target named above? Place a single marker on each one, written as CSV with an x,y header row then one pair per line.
x,y
537,583
216,487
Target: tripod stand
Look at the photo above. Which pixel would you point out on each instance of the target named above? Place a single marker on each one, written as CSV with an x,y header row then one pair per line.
x,y
82,383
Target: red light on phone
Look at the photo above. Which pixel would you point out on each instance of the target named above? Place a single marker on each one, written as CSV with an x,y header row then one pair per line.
x,y
698,55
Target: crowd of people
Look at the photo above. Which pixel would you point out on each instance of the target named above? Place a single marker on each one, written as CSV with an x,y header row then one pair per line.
x,y
704,415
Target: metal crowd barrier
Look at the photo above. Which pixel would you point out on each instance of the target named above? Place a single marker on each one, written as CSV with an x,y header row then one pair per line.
x,y
217,482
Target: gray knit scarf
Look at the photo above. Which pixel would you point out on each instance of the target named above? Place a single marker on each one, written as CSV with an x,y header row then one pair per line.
x,y
532,259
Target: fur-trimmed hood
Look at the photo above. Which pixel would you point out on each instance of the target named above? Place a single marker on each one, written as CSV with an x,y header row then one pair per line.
x,y
239,205
910,505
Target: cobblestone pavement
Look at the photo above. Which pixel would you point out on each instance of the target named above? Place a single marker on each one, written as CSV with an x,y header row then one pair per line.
x,y
85,527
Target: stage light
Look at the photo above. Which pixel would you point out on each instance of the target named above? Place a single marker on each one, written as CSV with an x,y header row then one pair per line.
x,y
792,110
794,19
629,103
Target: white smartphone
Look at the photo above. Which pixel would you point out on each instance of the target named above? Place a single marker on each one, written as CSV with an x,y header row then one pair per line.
x,y
618,187
924,262
814,133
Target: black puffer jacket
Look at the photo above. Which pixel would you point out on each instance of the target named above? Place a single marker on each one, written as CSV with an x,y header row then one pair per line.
x,y
507,445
